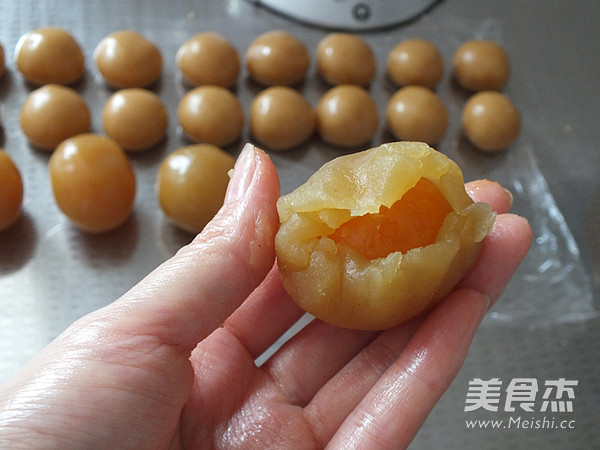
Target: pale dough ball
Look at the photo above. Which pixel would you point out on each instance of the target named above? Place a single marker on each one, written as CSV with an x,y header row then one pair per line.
x,y
416,113
211,115
280,118
49,55
135,118
93,182
277,58
481,65
344,58
127,59
415,62
2,62
491,121
347,116
11,191
208,58
191,185
53,113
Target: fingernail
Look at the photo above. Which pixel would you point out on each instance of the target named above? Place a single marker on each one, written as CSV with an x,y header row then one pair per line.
x,y
487,301
242,174
510,196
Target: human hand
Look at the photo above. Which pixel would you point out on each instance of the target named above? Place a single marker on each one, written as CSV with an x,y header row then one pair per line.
x,y
171,363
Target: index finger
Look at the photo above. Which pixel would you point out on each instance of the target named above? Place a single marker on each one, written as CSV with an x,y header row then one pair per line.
x,y
191,294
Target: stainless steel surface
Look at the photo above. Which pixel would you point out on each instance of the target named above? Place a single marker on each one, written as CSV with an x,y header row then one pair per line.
x,y
545,327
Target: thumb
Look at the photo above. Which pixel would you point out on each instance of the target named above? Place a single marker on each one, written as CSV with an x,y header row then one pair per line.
x,y
191,294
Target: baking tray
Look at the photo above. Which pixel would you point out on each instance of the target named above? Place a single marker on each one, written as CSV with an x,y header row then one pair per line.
x,y
51,273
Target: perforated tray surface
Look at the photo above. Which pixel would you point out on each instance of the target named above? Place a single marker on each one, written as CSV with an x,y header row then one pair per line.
x,y
545,328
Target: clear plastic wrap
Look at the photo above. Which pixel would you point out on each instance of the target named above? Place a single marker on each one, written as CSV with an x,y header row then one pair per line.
x,y
552,285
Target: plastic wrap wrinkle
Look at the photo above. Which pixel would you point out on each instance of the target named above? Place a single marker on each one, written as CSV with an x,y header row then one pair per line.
x,y
552,286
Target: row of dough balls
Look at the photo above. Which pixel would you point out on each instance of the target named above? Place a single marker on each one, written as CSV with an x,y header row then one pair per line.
x,y
278,58
93,181
280,117
136,119
490,120
128,59
94,184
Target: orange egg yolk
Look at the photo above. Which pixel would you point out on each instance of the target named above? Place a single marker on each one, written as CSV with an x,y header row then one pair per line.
x,y
413,221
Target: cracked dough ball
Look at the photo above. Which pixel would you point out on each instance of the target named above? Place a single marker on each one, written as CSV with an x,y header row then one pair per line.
x,y
377,237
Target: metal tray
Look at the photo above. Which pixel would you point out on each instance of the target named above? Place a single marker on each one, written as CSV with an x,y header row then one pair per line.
x,y
51,273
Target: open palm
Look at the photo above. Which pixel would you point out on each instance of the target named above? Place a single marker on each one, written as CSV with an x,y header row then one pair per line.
x,y
172,363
